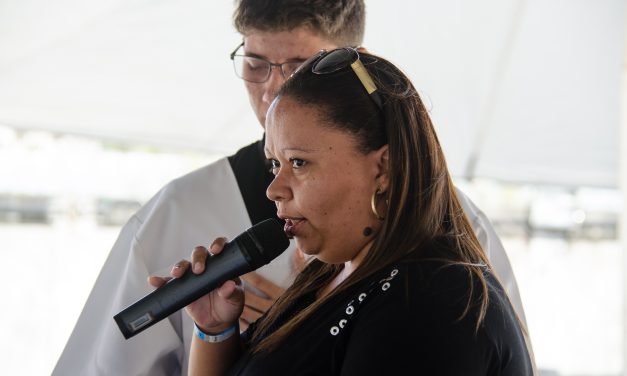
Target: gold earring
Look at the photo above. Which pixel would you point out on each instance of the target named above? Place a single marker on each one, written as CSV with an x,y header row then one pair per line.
x,y
373,205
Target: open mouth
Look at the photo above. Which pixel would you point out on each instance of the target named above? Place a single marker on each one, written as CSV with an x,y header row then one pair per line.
x,y
291,226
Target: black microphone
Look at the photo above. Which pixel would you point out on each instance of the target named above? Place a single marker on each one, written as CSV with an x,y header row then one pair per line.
x,y
250,250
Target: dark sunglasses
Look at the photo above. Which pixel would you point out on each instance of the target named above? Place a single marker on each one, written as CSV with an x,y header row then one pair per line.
x,y
326,62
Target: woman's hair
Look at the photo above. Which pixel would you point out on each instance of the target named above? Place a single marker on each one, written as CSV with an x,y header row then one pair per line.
x,y
423,210
341,21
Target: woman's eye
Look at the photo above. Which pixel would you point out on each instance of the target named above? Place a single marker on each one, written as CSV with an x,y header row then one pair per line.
x,y
274,166
297,163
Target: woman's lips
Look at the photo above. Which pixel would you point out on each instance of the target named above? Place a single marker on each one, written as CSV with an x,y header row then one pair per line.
x,y
291,226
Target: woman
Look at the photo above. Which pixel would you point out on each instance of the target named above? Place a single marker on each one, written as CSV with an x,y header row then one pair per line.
x,y
398,283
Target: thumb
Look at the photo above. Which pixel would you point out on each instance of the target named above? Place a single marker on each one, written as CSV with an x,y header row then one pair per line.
x,y
231,291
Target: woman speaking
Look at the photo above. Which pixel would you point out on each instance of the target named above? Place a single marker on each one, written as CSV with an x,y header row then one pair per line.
x,y
397,282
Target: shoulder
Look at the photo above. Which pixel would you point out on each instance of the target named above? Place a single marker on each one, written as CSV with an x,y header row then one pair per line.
x,y
450,291
422,287
417,313
190,210
250,153
210,178
201,179
475,215
190,186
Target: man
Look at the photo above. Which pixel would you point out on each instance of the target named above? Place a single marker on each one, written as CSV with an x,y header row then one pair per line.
x,y
221,199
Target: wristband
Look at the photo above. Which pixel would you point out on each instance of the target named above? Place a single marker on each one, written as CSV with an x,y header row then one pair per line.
x,y
215,338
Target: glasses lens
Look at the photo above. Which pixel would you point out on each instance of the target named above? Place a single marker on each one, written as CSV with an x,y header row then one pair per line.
x,y
290,67
335,60
251,68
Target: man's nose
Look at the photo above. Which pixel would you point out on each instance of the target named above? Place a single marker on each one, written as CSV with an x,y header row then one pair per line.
x,y
271,87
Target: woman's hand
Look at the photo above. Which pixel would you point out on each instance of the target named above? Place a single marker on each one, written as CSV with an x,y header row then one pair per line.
x,y
220,308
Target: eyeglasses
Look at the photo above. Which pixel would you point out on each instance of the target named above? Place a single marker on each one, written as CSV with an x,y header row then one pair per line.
x,y
258,70
327,62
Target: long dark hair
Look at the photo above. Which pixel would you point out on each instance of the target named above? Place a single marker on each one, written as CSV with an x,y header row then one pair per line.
x,y
422,209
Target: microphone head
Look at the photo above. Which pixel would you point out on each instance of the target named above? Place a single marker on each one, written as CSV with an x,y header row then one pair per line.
x,y
269,238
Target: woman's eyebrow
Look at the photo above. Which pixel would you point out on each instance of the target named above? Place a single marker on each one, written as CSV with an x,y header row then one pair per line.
x,y
291,148
296,148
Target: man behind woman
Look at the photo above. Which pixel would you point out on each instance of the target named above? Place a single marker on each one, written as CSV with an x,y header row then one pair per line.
x,y
398,282
278,35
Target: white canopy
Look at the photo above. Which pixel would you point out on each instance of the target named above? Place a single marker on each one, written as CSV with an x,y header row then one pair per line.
x,y
525,91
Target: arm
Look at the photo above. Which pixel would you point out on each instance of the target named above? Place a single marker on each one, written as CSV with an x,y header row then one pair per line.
x,y
96,346
213,313
213,358
182,215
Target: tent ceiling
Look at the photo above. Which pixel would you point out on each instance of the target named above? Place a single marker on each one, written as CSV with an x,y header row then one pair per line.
x,y
525,91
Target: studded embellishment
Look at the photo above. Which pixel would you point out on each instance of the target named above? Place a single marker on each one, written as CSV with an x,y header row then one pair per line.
x,y
350,308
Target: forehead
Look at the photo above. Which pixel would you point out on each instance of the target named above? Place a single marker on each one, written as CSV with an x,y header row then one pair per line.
x,y
288,117
294,125
278,46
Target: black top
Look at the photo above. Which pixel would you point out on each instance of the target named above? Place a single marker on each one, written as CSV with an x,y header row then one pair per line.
x,y
402,320
253,176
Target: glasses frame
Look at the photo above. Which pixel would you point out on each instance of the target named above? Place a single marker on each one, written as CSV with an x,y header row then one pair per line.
x,y
271,65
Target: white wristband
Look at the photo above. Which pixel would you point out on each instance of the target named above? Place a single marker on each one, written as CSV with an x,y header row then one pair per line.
x,y
215,338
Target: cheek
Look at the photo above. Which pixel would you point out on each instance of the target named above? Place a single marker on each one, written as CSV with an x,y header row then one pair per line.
x,y
254,92
338,207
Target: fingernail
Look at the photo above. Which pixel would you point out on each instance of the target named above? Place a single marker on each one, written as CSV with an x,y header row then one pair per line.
x,y
197,267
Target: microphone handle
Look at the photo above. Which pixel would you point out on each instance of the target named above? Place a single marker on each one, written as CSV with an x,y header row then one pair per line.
x,y
179,292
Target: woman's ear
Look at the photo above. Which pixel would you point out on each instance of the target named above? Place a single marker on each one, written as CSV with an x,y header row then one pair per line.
x,y
381,160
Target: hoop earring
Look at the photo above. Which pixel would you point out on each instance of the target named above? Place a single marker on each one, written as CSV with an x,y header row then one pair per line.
x,y
373,205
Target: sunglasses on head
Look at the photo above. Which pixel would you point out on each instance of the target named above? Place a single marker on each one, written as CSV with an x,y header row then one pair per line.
x,y
326,62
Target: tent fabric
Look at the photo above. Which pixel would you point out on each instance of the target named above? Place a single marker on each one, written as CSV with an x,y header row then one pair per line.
x,y
519,90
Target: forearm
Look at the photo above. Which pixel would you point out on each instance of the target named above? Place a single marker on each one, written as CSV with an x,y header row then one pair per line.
x,y
213,358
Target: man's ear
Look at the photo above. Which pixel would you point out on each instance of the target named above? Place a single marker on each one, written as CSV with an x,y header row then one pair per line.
x,y
381,160
362,49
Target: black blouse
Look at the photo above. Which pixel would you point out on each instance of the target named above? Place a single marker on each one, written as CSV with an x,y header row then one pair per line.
x,y
401,321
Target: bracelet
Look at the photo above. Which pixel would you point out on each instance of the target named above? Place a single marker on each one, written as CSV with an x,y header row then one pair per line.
x,y
215,338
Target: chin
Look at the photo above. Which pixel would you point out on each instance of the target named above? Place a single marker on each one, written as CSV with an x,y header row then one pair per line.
x,y
305,248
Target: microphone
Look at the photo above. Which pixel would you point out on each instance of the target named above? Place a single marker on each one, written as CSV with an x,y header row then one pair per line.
x,y
250,250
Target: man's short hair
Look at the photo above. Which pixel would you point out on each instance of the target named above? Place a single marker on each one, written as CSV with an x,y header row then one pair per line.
x,y
340,21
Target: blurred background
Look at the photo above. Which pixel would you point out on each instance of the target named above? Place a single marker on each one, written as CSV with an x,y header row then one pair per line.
x,y
103,102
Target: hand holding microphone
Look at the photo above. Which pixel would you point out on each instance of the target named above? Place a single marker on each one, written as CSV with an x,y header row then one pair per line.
x,y
222,306
220,301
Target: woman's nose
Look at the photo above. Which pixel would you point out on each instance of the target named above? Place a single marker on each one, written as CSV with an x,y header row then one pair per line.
x,y
278,190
